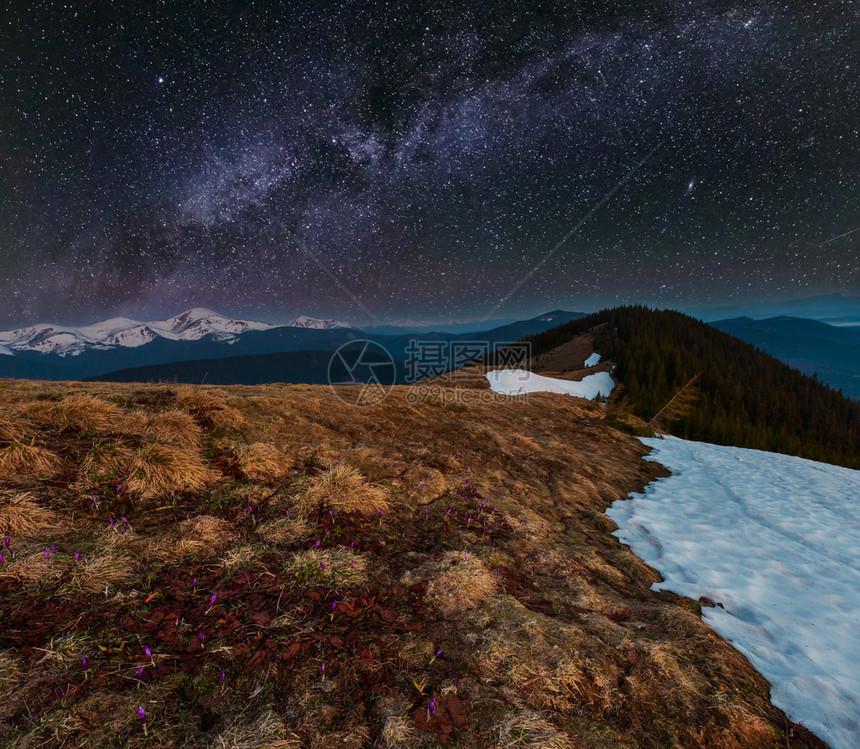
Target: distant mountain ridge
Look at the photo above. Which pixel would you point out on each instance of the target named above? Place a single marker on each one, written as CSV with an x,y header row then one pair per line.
x,y
200,334
68,340
813,347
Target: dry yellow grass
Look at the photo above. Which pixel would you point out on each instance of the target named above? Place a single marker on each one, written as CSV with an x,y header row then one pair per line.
x,y
107,456
284,530
209,409
11,431
98,571
77,411
204,534
542,660
342,488
20,460
262,461
22,515
267,732
461,583
529,730
172,427
155,470
337,568
30,567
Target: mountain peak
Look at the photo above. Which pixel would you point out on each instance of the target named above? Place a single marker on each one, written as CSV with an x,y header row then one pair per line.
x,y
303,321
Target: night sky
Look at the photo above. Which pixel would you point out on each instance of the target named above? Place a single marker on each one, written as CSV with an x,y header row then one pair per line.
x,y
381,162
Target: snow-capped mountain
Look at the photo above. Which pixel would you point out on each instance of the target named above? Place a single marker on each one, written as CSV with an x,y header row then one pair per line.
x,y
303,321
65,340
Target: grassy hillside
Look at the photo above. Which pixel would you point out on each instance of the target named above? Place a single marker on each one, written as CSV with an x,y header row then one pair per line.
x,y
267,567
747,398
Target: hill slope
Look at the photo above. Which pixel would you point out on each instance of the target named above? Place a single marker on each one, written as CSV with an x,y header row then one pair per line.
x,y
264,566
813,347
748,398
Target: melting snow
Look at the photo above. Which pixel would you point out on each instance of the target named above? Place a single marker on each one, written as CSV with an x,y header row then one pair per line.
x,y
520,381
775,539
592,360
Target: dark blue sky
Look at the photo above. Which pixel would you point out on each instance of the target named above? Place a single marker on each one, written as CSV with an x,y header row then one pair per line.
x,y
391,161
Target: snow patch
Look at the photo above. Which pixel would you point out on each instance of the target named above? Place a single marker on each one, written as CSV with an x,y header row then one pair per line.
x,y
592,360
521,381
774,539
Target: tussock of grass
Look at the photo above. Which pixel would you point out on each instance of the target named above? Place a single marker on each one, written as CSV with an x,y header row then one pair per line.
x,y
242,557
107,456
157,469
100,571
64,650
267,732
284,530
262,461
78,411
173,427
30,567
529,730
22,460
11,431
22,515
202,534
336,568
209,409
461,583
398,732
344,489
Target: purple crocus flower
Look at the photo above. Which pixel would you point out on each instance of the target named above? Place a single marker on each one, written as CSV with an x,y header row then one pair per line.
x,y
322,565
47,554
432,707
77,555
141,713
7,542
223,677
334,605
200,636
318,544
84,662
2,559
194,583
212,600
147,651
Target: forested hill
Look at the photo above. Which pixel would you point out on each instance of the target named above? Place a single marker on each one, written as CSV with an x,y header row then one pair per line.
x,y
746,397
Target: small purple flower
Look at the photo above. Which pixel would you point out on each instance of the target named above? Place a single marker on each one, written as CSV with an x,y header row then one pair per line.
x,y
352,565
322,565
334,605
140,672
194,583
84,662
223,677
352,545
110,520
77,555
7,542
47,554
432,707
125,520
141,713
59,692
147,651
200,635
318,544
53,549
323,669
212,600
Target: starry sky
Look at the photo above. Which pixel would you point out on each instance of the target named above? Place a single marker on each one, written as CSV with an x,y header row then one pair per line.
x,y
403,161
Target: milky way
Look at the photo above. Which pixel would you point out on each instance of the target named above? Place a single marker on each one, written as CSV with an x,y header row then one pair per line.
x,y
383,161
